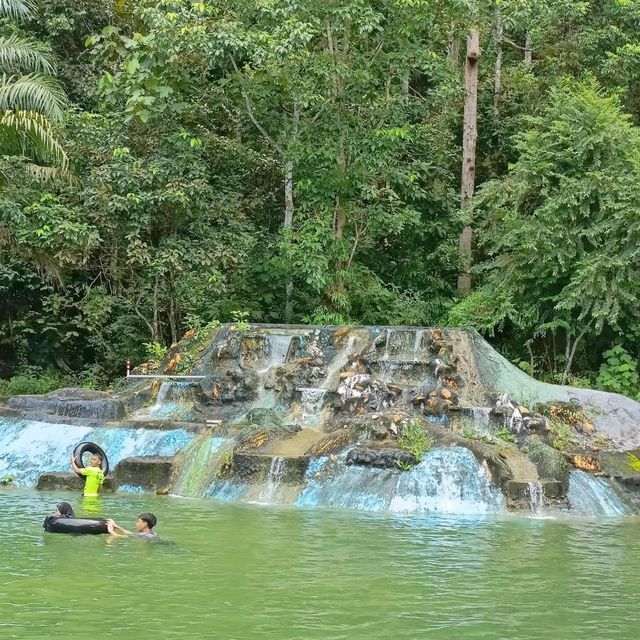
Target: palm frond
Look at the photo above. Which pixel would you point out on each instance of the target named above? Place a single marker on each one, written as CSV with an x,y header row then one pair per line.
x,y
30,134
33,92
19,53
16,9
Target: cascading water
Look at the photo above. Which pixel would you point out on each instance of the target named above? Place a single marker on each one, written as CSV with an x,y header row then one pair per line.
x,y
417,344
339,361
311,400
446,481
535,493
591,496
274,479
29,448
202,462
275,352
172,403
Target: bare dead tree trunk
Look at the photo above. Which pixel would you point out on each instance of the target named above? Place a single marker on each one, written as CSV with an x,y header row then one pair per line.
x,y
497,84
469,137
528,53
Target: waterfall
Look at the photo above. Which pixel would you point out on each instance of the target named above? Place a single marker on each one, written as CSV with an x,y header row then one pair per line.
x,y
417,344
172,403
535,492
276,473
592,496
276,351
336,364
446,481
29,448
311,400
202,462
386,345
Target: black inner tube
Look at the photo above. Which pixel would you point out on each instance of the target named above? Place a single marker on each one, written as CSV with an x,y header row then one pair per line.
x,y
90,447
75,525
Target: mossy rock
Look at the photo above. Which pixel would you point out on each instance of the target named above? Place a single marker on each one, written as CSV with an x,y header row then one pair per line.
x,y
551,464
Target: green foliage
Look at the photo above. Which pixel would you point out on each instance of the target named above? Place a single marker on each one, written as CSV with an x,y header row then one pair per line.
x,y
240,319
618,372
504,435
31,383
187,119
414,439
634,461
562,437
156,352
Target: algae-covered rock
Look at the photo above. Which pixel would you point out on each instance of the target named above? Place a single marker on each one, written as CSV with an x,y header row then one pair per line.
x,y
333,442
385,458
551,464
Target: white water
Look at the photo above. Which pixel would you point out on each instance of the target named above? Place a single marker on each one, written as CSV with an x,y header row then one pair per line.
x,y
311,400
29,448
535,492
592,496
276,351
417,344
276,473
446,481
172,403
338,361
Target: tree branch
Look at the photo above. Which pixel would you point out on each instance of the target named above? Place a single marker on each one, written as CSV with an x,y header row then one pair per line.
x,y
250,113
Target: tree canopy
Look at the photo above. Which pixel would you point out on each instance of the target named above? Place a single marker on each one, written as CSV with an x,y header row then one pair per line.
x,y
299,161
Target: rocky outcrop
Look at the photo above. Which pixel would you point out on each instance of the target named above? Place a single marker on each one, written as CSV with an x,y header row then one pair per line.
x,y
72,403
152,473
63,481
255,468
384,458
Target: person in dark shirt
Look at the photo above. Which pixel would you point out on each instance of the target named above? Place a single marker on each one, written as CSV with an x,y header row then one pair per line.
x,y
144,528
63,510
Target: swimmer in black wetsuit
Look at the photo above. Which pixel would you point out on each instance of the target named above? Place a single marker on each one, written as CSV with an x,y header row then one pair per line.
x,y
63,510
144,528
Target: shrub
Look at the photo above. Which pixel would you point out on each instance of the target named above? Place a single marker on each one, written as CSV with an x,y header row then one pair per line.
x,y
618,373
31,383
414,439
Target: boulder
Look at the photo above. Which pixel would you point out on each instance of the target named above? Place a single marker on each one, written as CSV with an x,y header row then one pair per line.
x,y
65,481
153,473
73,403
385,458
551,464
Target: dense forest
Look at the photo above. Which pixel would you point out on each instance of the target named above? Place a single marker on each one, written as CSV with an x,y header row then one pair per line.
x,y
169,164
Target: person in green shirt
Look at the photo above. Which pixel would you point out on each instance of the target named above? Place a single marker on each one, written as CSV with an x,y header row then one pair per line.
x,y
93,473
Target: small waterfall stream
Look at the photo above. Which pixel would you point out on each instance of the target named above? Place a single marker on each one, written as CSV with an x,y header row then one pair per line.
x,y
311,400
276,473
29,448
275,352
446,481
592,496
202,461
338,361
172,402
535,492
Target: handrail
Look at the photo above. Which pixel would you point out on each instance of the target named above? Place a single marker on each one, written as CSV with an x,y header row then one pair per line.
x,y
151,375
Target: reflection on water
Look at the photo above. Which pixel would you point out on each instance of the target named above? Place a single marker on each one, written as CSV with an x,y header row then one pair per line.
x,y
242,572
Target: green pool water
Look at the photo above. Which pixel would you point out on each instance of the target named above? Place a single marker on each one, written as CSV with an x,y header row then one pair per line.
x,y
243,571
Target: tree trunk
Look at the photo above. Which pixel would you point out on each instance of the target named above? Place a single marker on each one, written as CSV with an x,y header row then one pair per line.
x,y
288,223
528,54
469,137
453,53
288,209
497,84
